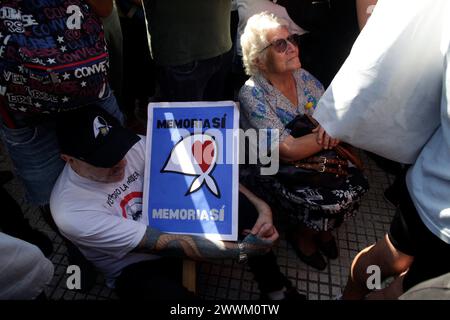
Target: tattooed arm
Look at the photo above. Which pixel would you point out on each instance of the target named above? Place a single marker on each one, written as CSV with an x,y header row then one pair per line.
x,y
200,248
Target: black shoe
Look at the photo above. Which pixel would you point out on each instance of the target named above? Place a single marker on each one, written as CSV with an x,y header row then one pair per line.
x,y
314,260
329,248
40,240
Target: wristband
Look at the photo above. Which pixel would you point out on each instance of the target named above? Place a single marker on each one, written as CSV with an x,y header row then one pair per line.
x,y
242,255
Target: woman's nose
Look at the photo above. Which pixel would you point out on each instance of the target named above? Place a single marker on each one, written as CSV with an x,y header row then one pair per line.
x,y
291,47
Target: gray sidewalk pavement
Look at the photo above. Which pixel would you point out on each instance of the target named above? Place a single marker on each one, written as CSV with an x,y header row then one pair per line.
x,y
230,280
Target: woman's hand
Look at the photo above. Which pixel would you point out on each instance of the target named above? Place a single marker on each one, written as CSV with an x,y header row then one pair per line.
x,y
324,139
264,227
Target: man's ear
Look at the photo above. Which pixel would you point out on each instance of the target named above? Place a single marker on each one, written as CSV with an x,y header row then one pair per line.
x,y
66,158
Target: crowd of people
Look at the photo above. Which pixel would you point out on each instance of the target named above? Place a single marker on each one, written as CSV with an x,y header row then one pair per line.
x,y
75,81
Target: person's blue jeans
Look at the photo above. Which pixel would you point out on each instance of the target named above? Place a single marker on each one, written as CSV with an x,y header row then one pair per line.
x,y
199,80
35,153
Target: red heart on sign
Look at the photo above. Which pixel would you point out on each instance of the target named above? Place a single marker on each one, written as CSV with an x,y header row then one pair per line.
x,y
203,153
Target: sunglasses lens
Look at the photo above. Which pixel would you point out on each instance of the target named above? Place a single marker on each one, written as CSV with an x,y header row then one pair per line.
x,y
280,45
293,39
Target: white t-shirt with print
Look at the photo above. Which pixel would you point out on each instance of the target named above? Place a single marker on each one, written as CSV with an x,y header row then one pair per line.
x,y
104,220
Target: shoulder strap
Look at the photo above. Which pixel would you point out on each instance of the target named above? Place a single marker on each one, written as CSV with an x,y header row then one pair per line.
x,y
346,152
343,149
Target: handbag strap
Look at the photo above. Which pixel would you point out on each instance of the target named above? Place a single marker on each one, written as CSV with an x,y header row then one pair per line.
x,y
323,164
312,120
344,150
320,167
325,160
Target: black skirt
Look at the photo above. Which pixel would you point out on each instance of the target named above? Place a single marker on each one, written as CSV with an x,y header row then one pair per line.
x,y
318,208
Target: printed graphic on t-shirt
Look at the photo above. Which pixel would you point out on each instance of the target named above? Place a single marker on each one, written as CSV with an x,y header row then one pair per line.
x,y
52,55
131,206
128,196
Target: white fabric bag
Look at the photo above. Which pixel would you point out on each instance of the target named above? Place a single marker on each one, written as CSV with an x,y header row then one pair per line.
x,y
386,96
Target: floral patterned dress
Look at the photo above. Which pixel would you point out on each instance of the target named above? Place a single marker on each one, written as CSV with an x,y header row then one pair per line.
x,y
265,107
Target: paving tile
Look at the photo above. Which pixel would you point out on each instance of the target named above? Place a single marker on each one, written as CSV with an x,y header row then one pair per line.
x,y
247,285
335,280
235,284
221,293
226,272
69,295
210,290
233,294
58,294
282,261
324,277
313,287
247,275
213,280
302,285
335,291
244,296
292,273
224,282
105,292
236,275
302,274
324,288
313,296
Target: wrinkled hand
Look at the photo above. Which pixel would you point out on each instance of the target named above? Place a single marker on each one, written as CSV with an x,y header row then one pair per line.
x,y
324,139
264,227
255,246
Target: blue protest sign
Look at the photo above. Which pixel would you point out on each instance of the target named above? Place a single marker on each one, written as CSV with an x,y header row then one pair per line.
x,y
191,171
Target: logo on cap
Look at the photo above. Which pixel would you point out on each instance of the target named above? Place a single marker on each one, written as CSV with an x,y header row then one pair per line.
x,y
100,127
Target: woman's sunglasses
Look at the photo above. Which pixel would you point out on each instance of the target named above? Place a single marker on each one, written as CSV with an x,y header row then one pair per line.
x,y
281,45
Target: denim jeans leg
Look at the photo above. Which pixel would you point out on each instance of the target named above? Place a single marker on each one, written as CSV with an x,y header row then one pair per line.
x,y
219,86
189,82
110,104
181,83
35,154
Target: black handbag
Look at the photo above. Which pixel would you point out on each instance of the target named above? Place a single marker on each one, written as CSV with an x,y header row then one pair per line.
x,y
326,169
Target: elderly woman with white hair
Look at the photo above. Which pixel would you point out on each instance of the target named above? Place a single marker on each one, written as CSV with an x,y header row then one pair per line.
x,y
278,91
